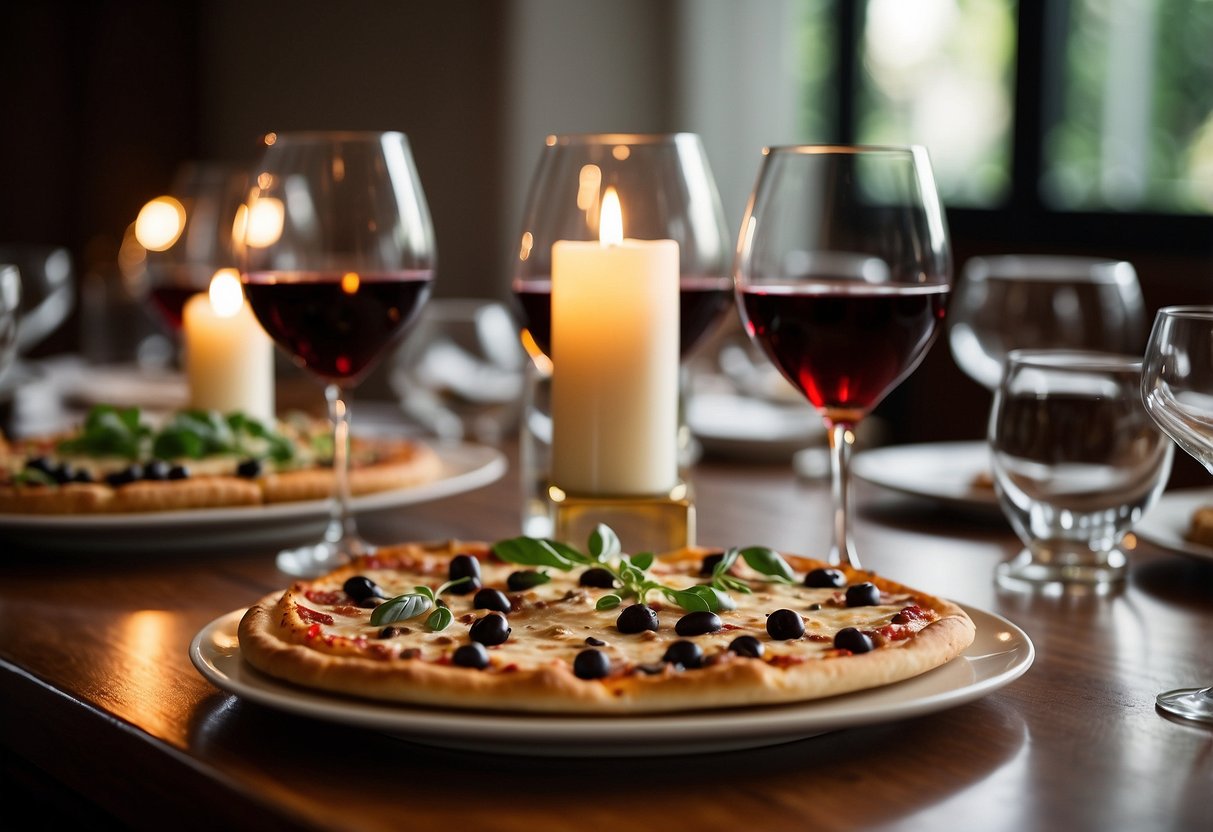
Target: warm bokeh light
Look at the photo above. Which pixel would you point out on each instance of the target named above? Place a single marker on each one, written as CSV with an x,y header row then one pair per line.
x,y
621,152
226,295
160,223
265,217
588,183
528,242
610,226
350,282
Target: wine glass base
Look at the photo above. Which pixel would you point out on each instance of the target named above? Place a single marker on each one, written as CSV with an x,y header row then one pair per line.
x,y
1188,703
314,560
1058,575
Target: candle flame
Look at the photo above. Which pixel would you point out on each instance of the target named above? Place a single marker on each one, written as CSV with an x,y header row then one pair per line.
x,y
160,223
226,295
610,223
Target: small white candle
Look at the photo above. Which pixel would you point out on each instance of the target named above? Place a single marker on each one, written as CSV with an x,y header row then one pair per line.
x,y
615,362
229,360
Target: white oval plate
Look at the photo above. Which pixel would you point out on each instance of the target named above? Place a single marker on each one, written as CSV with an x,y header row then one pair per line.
x,y
1167,522
942,471
1000,653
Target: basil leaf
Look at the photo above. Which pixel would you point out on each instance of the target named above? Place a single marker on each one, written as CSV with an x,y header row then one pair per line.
x,y
768,562
528,579
726,561
399,608
33,476
424,590
568,552
175,444
688,600
439,619
108,431
608,602
449,584
718,600
604,543
730,584
530,551
642,561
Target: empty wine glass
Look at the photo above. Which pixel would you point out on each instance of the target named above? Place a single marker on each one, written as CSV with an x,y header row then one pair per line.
x,y
48,290
338,258
843,273
10,305
1041,302
1177,388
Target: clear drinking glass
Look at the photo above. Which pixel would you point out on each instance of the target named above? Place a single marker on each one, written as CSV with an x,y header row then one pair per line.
x,y
1177,389
338,259
843,274
1076,462
666,185
1026,301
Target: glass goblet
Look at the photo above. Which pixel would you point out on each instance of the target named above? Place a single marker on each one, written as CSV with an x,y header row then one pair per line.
x,y
1177,389
338,259
1026,301
842,274
668,192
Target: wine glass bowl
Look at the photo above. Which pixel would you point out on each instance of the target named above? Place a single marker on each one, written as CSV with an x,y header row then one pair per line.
x,y
842,276
1027,301
1177,390
338,255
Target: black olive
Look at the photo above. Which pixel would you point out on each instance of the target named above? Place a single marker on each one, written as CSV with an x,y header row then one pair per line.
x,y
179,472
492,629
848,638
686,654
63,473
595,642
156,470
129,474
697,623
83,475
524,580
471,655
636,619
41,463
491,599
863,595
392,632
591,664
597,577
464,566
708,565
785,625
825,578
362,588
249,468
747,646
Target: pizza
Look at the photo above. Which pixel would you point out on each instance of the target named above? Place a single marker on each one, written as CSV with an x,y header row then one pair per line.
x,y
1200,528
119,461
529,625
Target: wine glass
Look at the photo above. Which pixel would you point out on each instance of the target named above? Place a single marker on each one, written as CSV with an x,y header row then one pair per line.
x,y
1028,301
1177,389
338,258
10,317
668,192
187,237
843,272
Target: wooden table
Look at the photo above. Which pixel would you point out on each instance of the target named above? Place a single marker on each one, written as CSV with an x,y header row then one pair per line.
x,y
105,721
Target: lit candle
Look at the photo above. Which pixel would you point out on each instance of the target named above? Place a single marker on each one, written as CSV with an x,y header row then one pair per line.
x,y
229,360
615,362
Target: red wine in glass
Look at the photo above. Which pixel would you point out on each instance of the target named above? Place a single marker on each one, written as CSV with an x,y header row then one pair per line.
x,y
337,325
702,301
169,304
847,344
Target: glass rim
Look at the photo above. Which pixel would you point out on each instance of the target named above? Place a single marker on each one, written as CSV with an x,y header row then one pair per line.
x,y
1072,359
596,139
1195,311
843,149
330,135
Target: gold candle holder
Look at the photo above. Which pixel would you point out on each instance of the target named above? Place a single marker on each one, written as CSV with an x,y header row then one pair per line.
x,y
658,523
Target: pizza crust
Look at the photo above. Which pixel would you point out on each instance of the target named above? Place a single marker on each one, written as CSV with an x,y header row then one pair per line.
x,y
275,640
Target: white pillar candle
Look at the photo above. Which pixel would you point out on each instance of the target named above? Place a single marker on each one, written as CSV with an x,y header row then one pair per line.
x,y
615,363
229,360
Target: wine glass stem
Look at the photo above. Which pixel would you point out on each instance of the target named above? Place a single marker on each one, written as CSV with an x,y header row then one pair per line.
x,y
842,550
341,531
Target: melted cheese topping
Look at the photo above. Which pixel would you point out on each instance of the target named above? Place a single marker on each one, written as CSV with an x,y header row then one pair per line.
x,y
553,621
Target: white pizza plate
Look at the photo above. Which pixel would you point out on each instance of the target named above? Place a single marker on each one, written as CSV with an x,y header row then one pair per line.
x,y
466,466
1000,654
939,471
1167,522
